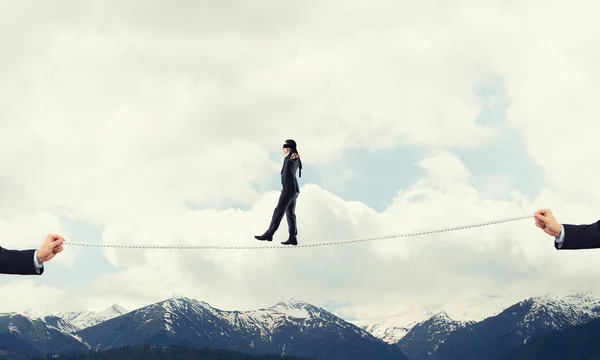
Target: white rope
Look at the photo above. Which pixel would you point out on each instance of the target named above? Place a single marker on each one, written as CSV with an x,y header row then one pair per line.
x,y
252,247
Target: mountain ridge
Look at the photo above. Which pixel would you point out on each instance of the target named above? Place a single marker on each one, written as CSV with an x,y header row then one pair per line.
x,y
292,328
495,337
84,319
579,342
299,328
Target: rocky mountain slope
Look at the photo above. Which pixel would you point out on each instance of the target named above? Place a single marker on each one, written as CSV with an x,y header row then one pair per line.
x,y
579,342
300,329
495,337
24,335
293,328
424,339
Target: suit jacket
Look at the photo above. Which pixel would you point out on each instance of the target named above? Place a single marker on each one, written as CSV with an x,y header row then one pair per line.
x,y
581,237
18,262
288,174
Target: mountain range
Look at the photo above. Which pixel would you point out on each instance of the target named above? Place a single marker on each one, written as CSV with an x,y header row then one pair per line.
x,y
301,329
439,337
287,328
494,338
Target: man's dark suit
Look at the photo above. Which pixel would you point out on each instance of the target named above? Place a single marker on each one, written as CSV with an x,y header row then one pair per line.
x,y
580,237
287,200
18,262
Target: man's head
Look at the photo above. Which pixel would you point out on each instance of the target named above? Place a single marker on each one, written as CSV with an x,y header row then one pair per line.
x,y
289,146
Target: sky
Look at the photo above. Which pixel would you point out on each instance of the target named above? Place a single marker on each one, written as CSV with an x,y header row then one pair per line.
x,y
161,122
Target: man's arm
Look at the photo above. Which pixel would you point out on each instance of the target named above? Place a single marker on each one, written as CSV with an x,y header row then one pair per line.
x,y
30,262
575,237
287,179
568,236
19,262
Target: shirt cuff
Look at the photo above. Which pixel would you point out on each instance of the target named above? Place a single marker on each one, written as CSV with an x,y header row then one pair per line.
x,y
38,265
561,238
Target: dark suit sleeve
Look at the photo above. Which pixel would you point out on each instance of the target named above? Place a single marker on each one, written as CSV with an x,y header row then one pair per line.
x,y
289,174
581,237
18,262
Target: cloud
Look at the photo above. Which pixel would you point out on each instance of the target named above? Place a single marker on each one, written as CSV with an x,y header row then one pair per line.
x,y
150,126
28,231
393,274
112,113
24,295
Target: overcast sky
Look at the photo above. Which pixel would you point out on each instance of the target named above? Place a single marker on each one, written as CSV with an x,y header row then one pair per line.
x,y
161,122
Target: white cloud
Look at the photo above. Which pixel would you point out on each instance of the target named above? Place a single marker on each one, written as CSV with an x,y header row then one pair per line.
x,y
445,167
28,230
24,295
376,278
120,116
128,127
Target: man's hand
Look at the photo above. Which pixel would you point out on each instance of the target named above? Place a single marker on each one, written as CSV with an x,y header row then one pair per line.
x,y
51,246
295,156
545,220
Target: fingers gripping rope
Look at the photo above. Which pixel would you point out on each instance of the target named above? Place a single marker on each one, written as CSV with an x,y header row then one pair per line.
x,y
238,247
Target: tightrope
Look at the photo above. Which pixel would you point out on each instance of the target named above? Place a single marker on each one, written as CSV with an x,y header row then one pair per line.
x,y
274,246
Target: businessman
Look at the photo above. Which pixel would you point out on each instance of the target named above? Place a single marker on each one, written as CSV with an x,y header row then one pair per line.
x,y
30,262
568,236
289,193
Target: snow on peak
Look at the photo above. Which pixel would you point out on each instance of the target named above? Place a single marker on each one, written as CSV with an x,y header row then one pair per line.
x,y
574,308
264,321
393,328
553,302
389,333
183,303
295,309
560,310
85,319
113,311
578,299
442,315
60,324
294,303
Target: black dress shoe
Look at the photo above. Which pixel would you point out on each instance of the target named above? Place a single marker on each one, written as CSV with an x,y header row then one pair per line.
x,y
264,237
291,241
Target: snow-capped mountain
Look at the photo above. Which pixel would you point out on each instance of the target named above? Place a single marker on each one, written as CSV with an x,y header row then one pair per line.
x,y
578,342
425,337
422,333
85,319
274,319
59,323
394,328
25,335
563,311
494,337
291,328
299,328
387,332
